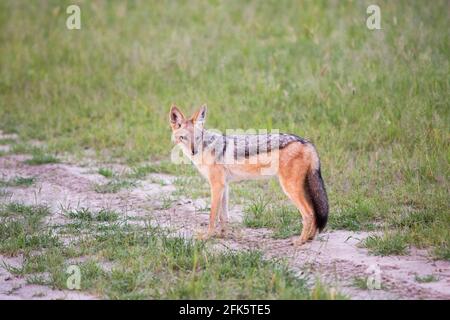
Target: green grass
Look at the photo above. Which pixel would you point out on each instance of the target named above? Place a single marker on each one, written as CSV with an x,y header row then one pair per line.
x,y
376,103
114,185
146,263
193,187
360,283
18,182
6,141
106,172
106,215
427,278
24,148
387,244
283,219
357,216
21,229
166,202
41,157
442,251
84,214
161,182
165,166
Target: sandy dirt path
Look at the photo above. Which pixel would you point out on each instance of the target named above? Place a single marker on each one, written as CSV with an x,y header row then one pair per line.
x,y
334,257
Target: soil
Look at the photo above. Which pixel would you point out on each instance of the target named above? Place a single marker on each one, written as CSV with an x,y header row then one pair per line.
x,y
334,256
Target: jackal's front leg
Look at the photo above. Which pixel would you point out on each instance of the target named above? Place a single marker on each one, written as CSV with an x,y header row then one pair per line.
x,y
223,216
217,192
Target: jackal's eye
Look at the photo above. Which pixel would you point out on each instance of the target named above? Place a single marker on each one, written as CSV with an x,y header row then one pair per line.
x,y
183,138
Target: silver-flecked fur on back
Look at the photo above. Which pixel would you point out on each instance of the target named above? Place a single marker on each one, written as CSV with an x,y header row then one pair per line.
x,y
246,145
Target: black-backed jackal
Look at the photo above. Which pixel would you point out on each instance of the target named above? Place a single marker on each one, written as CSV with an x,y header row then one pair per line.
x,y
224,158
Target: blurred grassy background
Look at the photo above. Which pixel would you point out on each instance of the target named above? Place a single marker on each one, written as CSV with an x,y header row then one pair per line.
x,y
376,103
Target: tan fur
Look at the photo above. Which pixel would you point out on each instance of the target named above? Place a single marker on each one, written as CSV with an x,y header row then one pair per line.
x,y
295,161
290,164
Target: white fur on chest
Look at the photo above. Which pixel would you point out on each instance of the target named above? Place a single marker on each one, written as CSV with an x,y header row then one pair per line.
x,y
204,170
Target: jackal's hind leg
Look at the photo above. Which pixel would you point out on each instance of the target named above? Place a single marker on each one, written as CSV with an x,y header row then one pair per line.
x,y
292,180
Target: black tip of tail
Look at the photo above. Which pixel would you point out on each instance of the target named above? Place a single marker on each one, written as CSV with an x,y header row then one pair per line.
x,y
319,197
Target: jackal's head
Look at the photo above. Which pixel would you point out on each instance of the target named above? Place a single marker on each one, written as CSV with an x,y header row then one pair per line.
x,y
187,132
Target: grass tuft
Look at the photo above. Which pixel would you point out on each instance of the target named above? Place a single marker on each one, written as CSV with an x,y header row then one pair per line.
x,y
85,214
426,279
114,186
106,172
285,220
18,182
39,158
358,216
21,229
387,244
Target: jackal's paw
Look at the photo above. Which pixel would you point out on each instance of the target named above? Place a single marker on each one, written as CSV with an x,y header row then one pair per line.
x,y
223,232
203,235
297,242
312,234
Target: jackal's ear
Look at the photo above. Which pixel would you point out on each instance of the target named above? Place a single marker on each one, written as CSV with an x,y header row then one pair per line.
x,y
176,117
200,116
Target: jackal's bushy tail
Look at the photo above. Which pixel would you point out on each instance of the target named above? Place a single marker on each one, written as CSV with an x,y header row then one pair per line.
x,y
318,196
